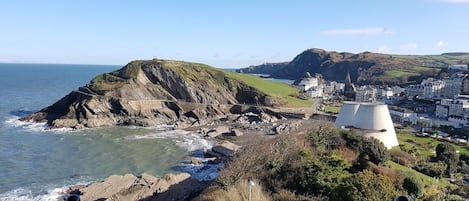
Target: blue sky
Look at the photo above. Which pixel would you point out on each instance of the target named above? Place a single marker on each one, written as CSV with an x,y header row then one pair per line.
x,y
225,33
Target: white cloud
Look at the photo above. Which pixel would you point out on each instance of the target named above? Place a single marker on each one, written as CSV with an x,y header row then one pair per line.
x,y
409,46
355,32
383,49
455,1
441,43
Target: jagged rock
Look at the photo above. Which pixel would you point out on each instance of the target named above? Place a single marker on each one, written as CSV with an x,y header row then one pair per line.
x,y
218,131
225,148
143,187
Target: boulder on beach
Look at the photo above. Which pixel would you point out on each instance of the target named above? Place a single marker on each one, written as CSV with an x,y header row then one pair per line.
x,y
143,187
226,148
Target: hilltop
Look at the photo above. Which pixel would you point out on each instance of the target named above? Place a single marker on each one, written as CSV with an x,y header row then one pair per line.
x,y
155,92
366,67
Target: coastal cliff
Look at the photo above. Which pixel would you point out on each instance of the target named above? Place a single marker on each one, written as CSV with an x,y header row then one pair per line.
x,y
150,93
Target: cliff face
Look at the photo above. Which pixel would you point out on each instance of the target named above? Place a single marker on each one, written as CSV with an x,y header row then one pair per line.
x,y
364,67
149,93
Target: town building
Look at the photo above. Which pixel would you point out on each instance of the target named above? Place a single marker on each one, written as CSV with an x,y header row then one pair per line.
x,y
453,85
465,86
432,88
365,94
308,82
413,91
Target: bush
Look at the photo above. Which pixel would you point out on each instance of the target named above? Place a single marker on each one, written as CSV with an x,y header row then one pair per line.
x,y
365,186
402,157
413,186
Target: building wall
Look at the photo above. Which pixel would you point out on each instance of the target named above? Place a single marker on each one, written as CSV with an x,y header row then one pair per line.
x,y
441,111
372,120
465,86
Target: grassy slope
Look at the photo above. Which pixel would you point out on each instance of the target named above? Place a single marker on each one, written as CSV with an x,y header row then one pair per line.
x,y
428,181
192,72
425,145
275,89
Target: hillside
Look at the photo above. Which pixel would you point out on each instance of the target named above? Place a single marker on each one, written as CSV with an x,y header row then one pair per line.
x,y
366,67
155,92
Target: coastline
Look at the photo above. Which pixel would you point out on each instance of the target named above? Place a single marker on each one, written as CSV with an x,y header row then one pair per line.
x,y
184,185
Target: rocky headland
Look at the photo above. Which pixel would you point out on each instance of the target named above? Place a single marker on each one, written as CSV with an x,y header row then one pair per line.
x,y
154,92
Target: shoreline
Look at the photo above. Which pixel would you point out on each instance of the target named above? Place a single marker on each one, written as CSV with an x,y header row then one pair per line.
x,y
192,185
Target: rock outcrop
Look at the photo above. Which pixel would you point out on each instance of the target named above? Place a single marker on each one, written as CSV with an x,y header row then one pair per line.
x,y
143,187
149,93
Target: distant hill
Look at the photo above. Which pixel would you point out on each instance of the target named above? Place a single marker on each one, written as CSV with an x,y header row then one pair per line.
x,y
366,67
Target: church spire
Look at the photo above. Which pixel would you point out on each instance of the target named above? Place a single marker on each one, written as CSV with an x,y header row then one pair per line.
x,y
347,79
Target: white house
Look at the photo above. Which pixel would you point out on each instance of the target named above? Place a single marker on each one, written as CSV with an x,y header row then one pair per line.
x,y
307,83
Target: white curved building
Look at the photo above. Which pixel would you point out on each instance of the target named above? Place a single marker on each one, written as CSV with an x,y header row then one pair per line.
x,y
346,114
369,120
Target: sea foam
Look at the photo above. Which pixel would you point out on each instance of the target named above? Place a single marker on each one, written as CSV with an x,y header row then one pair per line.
x,y
33,127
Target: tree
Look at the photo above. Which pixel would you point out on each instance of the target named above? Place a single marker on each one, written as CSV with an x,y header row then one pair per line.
x,y
445,152
413,186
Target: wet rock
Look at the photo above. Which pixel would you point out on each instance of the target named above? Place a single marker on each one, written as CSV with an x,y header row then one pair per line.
x,y
196,161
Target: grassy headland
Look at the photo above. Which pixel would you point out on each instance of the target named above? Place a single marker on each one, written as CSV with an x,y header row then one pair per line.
x,y
275,89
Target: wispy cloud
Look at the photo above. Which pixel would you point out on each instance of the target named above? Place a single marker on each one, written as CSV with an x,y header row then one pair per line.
x,y
408,46
455,1
357,32
441,43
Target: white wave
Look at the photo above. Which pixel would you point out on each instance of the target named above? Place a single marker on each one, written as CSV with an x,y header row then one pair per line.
x,y
23,194
54,193
34,127
188,140
204,172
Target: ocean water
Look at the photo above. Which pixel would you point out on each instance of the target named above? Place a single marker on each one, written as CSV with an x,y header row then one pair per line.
x,y
37,163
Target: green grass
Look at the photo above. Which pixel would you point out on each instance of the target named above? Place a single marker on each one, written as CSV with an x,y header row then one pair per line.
x,y
271,88
332,109
425,145
427,180
400,73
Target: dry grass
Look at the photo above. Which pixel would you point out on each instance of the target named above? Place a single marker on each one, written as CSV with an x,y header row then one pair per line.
x,y
239,192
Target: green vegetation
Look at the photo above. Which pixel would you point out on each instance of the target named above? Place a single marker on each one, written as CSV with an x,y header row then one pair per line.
x,y
438,61
332,109
413,186
427,180
400,73
326,164
274,89
425,146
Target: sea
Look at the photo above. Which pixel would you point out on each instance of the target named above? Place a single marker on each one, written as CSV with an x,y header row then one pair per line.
x,y
37,163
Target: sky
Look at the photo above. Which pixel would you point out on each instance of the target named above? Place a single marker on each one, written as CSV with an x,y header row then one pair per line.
x,y
225,34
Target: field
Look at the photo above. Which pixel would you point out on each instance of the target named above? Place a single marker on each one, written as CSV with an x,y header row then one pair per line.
x,y
275,89
425,145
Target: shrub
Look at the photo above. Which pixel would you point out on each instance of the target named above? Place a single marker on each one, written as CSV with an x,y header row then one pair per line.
x,y
365,186
402,157
413,186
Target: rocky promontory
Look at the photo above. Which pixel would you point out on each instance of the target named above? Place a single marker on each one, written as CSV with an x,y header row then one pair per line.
x,y
142,187
150,93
